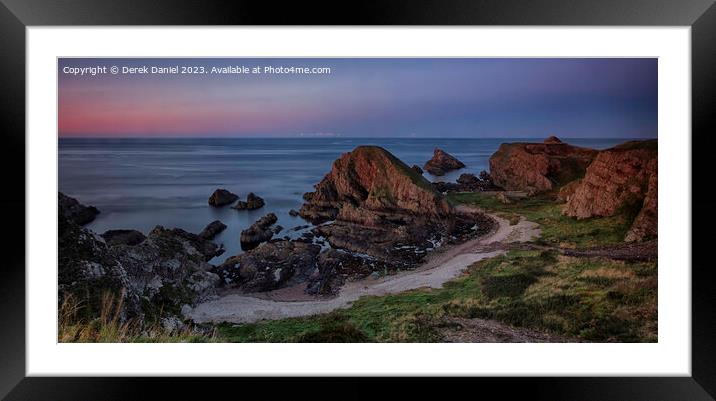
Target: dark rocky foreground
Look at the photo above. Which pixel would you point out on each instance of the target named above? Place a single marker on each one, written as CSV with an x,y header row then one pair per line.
x,y
154,278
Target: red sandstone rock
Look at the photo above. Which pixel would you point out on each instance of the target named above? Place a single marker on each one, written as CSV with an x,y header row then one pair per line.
x,y
371,180
621,178
538,167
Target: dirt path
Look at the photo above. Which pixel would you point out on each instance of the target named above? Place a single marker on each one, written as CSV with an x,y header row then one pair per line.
x,y
441,266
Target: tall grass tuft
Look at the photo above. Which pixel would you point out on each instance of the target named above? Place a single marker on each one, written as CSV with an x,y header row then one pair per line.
x,y
111,327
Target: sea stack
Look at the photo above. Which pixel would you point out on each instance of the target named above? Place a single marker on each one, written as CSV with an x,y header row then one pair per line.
x,y
442,162
222,197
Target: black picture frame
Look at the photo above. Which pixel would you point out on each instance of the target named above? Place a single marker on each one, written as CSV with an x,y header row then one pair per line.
x,y
16,15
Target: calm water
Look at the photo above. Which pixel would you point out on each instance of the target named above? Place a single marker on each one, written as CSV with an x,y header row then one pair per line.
x,y
141,183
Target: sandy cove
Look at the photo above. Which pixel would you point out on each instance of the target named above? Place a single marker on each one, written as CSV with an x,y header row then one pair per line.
x,y
442,266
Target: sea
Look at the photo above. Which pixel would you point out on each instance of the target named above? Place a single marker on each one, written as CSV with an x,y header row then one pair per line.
x,y
139,183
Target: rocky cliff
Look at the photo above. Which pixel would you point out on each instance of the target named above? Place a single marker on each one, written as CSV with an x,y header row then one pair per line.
x,y
623,178
538,167
154,277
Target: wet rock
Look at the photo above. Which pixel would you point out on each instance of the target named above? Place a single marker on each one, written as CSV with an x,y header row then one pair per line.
x,y
212,230
293,213
123,237
335,267
253,202
273,265
442,162
222,197
75,211
260,231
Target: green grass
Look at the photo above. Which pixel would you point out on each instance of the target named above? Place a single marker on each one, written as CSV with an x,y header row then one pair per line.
x,y
557,229
590,299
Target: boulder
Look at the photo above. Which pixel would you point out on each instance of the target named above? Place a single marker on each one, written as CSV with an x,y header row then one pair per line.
x,y
621,179
75,211
442,162
260,231
123,237
273,265
212,230
538,167
222,197
253,202
293,213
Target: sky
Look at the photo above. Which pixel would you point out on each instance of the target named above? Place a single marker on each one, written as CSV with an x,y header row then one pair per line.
x,y
363,97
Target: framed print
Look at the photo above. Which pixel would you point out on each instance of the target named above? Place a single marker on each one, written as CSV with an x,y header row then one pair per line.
x,y
472,192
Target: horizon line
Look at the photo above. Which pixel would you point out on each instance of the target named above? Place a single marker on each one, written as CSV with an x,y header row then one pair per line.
x,y
352,137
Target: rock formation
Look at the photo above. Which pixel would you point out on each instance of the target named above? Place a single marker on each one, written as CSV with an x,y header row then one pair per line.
x,y
273,265
380,207
222,197
467,183
442,162
417,169
253,202
538,167
75,211
123,237
620,179
155,277
260,231
212,230
369,185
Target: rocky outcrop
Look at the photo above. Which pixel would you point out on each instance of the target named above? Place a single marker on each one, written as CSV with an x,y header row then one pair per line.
x,y
417,169
123,237
538,167
212,230
645,224
75,211
442,162
222,197
273,265
467,183
621,179
378,207
260,231
253,202
153,278
371,181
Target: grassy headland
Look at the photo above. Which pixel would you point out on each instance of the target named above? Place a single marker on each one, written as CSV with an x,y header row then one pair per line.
x,y
588,299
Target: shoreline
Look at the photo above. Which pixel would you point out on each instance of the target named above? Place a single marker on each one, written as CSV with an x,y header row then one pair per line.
x,y
236,307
